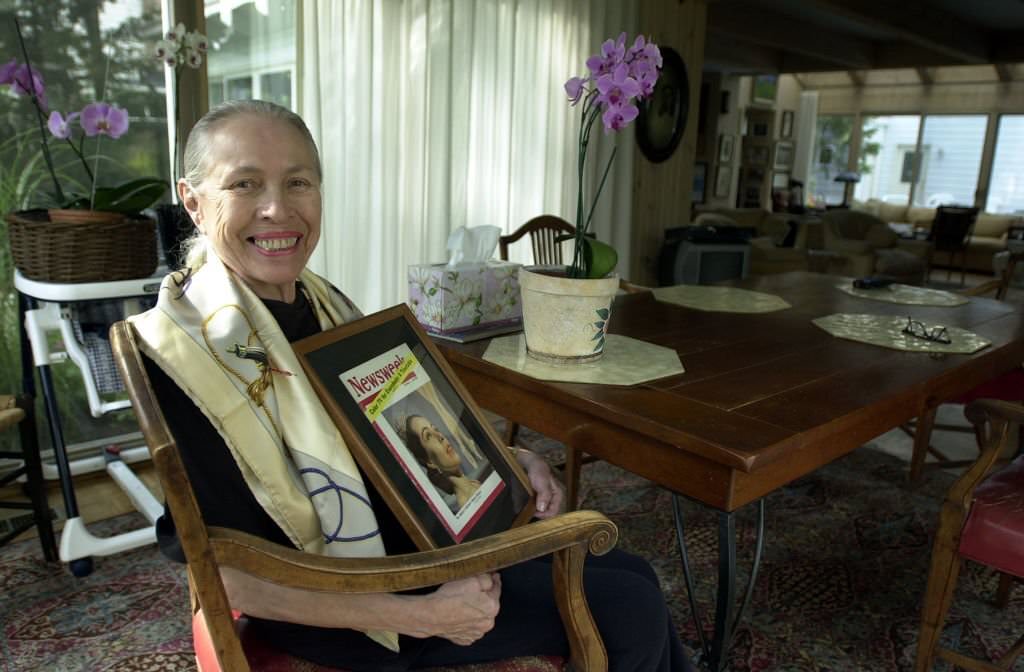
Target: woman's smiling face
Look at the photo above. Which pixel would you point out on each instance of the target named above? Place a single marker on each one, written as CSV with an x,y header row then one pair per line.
x,y
259,203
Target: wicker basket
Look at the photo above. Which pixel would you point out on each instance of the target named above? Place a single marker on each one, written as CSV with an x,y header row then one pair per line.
x,y
106,247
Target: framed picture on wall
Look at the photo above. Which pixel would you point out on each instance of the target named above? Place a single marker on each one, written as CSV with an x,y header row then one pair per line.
x,y
726,148
780,180
723,180
700,174
783,155
786,128
414,430
764,89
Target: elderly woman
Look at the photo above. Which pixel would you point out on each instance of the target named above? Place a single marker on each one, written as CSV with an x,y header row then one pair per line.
x,y
248,425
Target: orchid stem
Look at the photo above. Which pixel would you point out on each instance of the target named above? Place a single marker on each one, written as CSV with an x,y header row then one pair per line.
x,y
39,115
81,157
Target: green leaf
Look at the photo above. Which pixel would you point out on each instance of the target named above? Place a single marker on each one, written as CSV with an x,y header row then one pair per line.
x,y
128,198
599,325
603,313
598,346
599,334
432,291
600,258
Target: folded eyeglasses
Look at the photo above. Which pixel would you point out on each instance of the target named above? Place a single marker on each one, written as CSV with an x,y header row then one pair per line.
x,y
918,330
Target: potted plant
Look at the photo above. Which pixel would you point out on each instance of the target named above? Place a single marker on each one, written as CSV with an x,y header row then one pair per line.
x,y
89,235
566,310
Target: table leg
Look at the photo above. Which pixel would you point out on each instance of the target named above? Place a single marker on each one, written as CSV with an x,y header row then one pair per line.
x,y
727,617
52,411
922,439
573,462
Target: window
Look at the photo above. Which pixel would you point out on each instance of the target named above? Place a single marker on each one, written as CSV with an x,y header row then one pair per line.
x,y
831,153
252,50
887,159
1006,187
85,51
949,159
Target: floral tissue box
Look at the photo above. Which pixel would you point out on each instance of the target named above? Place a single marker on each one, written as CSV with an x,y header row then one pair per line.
x,y
470,297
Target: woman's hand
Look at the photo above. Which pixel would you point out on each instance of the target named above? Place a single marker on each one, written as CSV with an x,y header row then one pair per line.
x,y
547,487
463,611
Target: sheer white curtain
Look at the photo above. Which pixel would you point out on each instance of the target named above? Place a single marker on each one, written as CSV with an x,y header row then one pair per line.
x,y
433,114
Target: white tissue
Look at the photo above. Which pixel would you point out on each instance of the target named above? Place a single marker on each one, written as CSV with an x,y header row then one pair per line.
x,y
470,245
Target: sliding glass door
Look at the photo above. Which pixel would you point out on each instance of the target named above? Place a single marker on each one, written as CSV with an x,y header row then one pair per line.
x,y
888,160
949,159
1006,186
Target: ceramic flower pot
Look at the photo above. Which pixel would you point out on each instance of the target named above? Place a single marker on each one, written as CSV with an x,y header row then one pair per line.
x,y
565,319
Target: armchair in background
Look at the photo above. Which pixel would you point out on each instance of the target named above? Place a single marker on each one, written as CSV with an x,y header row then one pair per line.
x,y
778,243
867,246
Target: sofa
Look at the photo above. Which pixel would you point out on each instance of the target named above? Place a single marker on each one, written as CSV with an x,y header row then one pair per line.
x,y
772,248
861,244
987,238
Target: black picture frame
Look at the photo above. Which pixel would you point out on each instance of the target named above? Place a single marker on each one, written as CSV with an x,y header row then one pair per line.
x,y
383,382
663,114
786,127
700,178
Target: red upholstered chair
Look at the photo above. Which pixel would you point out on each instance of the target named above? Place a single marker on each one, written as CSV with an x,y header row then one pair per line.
x,y
262,657
982,520
220,640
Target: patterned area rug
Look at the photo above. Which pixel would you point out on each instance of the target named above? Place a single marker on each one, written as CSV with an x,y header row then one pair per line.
x,y
843,573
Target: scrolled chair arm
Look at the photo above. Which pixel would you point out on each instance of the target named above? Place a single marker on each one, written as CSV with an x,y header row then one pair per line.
x,y
585,530
992,419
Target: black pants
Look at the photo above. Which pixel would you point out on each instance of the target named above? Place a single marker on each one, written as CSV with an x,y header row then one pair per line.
x,y
622,592
624,598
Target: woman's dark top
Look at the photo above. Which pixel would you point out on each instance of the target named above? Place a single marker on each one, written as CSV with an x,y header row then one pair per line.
x,y
225,500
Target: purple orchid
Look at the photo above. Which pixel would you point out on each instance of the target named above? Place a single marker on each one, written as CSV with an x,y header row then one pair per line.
x,y
17,75
574,89
59,126
617,117
104,119
618,88
619,78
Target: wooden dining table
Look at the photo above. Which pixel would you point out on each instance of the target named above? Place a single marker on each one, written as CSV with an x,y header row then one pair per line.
x,y
766,398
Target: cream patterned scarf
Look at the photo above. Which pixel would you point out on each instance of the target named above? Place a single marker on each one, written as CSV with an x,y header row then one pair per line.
x,y
221,345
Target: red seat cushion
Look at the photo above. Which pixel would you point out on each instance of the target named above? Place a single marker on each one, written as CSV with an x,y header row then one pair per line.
x,y
994,532
1007,387
262,658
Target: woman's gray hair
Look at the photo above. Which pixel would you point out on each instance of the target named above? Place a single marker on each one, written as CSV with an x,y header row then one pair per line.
x,y
197,151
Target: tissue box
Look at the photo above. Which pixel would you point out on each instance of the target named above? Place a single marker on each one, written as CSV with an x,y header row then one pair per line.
x,y
470,297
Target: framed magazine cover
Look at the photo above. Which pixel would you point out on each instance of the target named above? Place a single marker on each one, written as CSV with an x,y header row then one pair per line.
x,y
414,430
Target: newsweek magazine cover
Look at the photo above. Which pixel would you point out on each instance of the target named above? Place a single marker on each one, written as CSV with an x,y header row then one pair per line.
x,y
451,473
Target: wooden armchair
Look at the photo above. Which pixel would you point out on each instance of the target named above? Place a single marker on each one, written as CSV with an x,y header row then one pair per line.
x,y
208,549
543,231
982,520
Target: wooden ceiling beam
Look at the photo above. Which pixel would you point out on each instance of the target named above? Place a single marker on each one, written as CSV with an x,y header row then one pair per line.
x,y
740,57
903,55
856,77
918,22
755,25
926,75
1008,47
1003,72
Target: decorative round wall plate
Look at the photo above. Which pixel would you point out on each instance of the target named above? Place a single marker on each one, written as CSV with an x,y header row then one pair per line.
x,y
662,120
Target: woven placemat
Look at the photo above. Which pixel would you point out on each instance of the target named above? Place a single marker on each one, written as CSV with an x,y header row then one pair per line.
x,y
905,294
626,361
720,299
887,332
